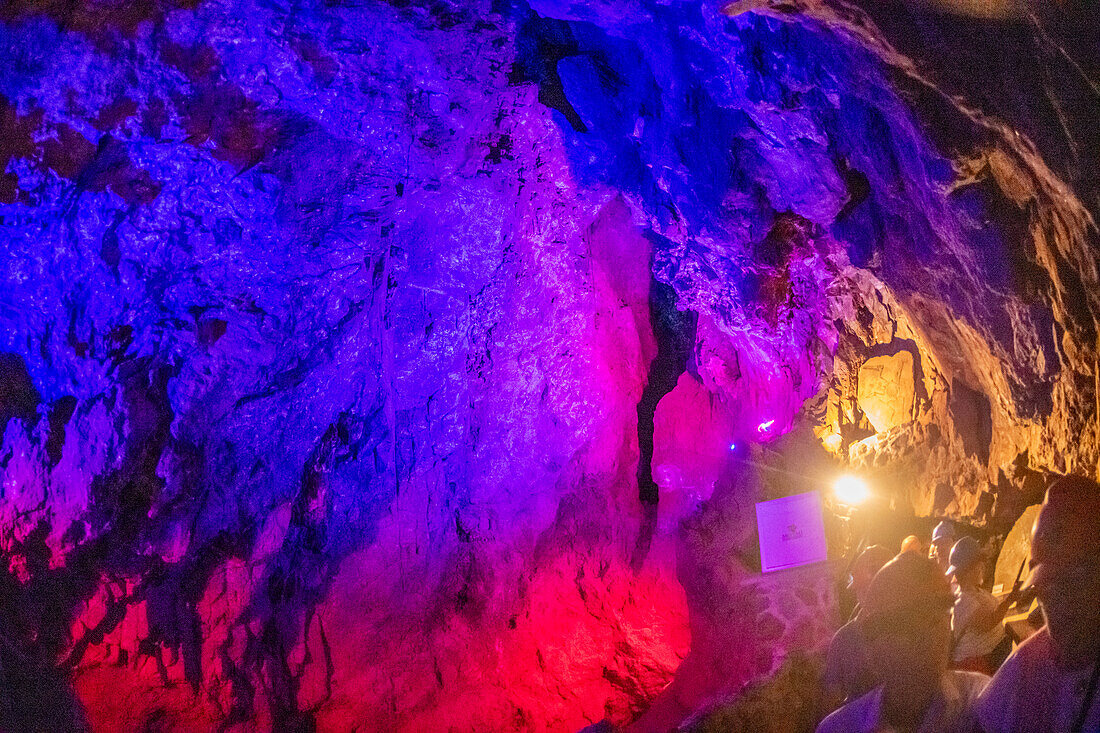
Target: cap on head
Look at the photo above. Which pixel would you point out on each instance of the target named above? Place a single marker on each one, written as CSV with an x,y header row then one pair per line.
x,y
943,531
907,581
964,555
1067,530
911,544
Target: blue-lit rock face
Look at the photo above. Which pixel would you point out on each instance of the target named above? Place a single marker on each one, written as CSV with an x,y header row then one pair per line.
x,y
380,365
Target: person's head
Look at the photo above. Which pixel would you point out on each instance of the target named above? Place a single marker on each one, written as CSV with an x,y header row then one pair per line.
x,y
912,543
943,537
907,627
1065,562
864,568
966,562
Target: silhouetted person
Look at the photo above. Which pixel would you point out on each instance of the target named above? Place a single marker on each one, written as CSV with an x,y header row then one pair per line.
x,y
981,643
907,628
847,670
1049,684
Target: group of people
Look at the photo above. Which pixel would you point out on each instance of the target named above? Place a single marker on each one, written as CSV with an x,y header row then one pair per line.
x,y
925,636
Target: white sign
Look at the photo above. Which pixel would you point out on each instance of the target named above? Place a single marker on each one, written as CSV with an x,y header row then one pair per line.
x,y
791,531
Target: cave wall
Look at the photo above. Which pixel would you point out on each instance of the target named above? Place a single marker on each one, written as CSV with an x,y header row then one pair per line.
x,y
332,335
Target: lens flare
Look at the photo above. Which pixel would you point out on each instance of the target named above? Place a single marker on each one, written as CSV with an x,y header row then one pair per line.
x,y
851,490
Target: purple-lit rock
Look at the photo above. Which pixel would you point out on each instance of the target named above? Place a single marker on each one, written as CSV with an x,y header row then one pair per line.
x,y
331,338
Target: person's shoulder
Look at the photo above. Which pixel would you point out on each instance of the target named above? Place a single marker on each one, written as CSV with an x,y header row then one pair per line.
x,y
1032,655
1000,701
838,721
970,684
843,648
985,600
977,595
1036,646
852,717
847,632
969,679
1035,649
984,595
967,598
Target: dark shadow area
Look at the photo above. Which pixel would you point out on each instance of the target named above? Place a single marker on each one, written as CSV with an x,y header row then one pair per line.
x,y
973,418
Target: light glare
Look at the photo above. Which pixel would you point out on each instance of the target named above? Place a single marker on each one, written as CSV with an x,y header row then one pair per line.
x,y
851,490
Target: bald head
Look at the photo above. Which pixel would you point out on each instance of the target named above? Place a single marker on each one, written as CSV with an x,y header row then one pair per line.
x,y
1067,530
1065,560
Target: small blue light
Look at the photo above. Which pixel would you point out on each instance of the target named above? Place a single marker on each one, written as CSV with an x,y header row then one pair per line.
x,y
733,446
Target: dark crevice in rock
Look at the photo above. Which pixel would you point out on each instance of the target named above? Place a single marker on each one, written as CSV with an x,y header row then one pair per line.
x,y
36,611
540,44
124,497
60,413
1018,487
674,331
856,184
1077,301
242,690
115,612
972,415
301,573
645,536
172,592
18,396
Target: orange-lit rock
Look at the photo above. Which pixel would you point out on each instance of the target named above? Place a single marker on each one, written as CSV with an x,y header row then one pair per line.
x,y
885,392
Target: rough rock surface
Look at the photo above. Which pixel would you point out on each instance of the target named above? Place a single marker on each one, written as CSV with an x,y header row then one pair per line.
x,y
884,390
378,365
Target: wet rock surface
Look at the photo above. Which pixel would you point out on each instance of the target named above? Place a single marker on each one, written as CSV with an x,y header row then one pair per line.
x,y
378,366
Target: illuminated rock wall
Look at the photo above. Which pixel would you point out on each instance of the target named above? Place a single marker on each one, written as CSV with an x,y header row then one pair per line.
x,y
332,335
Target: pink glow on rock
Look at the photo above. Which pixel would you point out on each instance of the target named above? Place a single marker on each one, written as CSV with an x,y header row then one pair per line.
x,y
690,446
623,256
765,383
546,635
